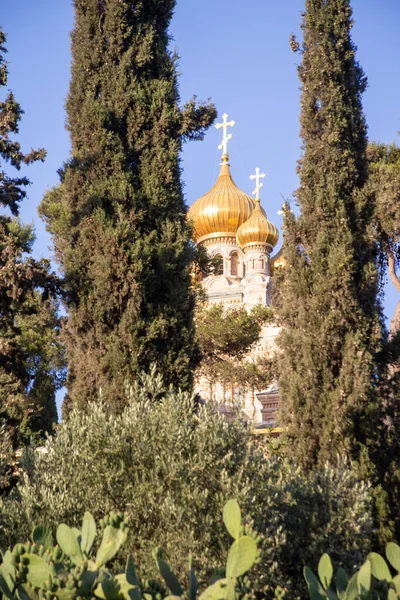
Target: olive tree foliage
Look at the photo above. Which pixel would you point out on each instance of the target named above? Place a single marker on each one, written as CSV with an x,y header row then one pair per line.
x,y
302,516
172,465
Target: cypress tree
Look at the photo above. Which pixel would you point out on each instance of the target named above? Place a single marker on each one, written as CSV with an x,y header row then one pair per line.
x,y
118,217
384,163
31,357
328,299
384,180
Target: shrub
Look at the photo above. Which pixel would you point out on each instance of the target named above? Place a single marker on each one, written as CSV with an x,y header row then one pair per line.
x,y
168,465
72,570
374,579
301,517
171,466
7,460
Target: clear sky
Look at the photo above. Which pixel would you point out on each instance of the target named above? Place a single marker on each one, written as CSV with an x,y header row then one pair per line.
x,y
235,52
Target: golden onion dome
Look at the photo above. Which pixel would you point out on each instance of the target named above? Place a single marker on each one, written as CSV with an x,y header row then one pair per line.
x,y
222,210
257,229
278,261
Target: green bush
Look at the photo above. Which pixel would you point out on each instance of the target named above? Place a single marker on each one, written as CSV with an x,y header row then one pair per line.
x,y
7,460
71,569
373,581
171,466
302,517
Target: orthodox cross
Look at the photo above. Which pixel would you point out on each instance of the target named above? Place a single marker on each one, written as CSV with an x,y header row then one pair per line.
x,y
259,185
226,137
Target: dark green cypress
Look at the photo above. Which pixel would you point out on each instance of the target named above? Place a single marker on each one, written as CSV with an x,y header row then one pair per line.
x,y
328,299
31,358
384,177
384,180
118,218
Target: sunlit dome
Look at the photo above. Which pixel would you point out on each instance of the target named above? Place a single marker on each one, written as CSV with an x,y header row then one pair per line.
x,y
222,210
257,230
278,261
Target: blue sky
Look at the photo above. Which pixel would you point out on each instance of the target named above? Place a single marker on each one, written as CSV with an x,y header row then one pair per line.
x,y
235,52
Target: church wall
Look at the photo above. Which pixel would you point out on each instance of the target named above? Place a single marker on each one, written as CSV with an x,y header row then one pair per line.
x,y
232,225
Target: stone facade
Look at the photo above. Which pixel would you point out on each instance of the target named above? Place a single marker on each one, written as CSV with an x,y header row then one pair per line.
x,y
233,226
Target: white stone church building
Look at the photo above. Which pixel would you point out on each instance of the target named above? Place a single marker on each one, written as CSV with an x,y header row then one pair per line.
x,y
233,226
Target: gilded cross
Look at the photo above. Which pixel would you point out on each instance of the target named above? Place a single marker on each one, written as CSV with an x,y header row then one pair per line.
x,y
226,137
259,185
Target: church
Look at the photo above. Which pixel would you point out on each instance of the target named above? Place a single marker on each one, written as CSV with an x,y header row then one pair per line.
x,y
234,227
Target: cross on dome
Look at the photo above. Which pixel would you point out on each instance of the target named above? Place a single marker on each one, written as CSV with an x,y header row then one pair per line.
x,y
225,137
259,185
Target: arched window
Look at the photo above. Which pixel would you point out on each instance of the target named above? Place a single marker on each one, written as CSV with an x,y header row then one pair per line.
x,y
218,260
235,264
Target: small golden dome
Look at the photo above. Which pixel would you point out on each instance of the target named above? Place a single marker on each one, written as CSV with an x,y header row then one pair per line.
x,y
278,261
222,210
257,229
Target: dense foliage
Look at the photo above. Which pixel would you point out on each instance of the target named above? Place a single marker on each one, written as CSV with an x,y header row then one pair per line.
x,y
31,358
225,336
161,457
8,475
328,300
118,217
384,183
384,178
373,580
171,468
72,569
